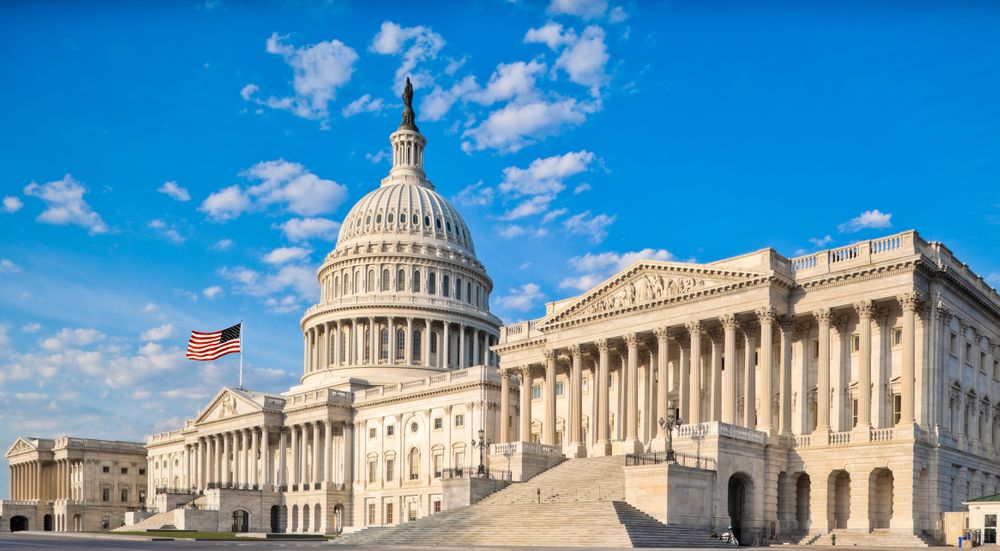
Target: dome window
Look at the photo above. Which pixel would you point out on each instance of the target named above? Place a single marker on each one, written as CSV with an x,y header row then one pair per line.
x,y
378,218
390,218
448,225
437,223
414,220
416,281
458,288
445,289
427,221
431,284
368,219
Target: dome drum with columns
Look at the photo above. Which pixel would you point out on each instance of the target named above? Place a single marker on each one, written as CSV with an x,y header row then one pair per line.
x,y
402,294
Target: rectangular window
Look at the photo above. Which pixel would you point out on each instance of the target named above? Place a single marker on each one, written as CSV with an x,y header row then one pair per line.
x,y
459,461
388,513
855,342
372,469
854,414
412,514
106,495
142,496
371,432
390,430
437,506
982,362
897,408
897,336
142,472
536,392
459,420
390,470
124,470
438,423
560,388
105,469
124,495
996,369
953,344
438,464
968,353
434,342
371,514
990,529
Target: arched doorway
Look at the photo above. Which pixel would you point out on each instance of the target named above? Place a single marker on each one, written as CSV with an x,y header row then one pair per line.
x,y
802,496
318,514
241,520
839,499
77,523
338,518
18,524
740,492
305,519
294,527
275,519
47,523
880,498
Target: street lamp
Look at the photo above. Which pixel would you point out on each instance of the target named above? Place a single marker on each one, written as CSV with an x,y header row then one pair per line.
x,y
673,420
482,444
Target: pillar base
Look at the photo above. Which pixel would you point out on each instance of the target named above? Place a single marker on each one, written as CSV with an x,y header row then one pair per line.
x,y
659,444
631,447
600,449
576,450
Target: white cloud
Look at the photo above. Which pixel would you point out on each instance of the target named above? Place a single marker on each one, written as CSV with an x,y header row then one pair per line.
x,y
510,231
150,307
595,268
213,292
64,204
551,34
415,44
173,190
378,157
223,244
31,327
319,70
477,194
67,337
304,229
298,278
158,333
536,204
617,15
545,176
552,215
585,59
11,204
515,126
585,9
7,265
438,101
167,232
284,255
226,204
595,227
283,305
509,81
993,278
867,219
364,104
581,188
291,184
521,299
821,241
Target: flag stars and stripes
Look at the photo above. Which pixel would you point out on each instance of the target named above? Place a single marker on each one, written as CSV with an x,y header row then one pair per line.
x,y
212,346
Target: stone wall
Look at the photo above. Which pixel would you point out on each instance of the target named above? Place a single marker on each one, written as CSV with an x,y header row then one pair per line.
x,y
460,492
671,493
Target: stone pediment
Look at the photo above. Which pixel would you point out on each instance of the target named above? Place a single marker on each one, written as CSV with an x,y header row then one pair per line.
x,y
229,402
20,446
646,284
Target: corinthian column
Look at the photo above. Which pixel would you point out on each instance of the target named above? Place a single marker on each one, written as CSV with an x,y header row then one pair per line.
x,y
662,334
632,443
785,378
823,376
729,326
603,446
504,406
525,430
549,425
684,387
577,448
766,318
715,413
694,380
908,302
865,311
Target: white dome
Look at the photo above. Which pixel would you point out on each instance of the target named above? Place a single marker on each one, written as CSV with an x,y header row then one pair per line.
x,y
405,212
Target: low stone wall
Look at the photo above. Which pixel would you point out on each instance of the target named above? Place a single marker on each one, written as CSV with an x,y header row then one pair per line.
x,y
525,459
672,494
460,492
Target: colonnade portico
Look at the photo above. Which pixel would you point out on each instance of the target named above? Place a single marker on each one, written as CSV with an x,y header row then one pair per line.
x,y
721,381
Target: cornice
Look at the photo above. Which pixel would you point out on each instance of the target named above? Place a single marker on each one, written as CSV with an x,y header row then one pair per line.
x,y
429,393
491,322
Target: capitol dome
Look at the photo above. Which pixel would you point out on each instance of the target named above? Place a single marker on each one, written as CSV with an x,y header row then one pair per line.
x,y
402,294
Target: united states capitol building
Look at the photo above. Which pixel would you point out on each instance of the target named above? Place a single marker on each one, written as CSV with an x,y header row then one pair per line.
x,y
854,391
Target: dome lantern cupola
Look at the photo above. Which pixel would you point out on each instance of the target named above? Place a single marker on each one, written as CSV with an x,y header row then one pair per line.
x,y
407,147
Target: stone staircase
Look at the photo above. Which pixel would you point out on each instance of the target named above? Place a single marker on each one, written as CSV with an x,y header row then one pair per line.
x,y
875,538
158,521
578,503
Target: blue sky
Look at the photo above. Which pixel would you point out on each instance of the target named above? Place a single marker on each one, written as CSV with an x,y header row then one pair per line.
x,y
176,166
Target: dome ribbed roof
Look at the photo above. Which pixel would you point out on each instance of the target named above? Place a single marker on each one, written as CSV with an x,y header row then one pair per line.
x,y
405,212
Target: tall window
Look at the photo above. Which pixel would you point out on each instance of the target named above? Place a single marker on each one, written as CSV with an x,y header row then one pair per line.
x,y
371,281
416,281
388,513
371,514
897,408
414,464
459,461
468,292
336,286
400,343
445,288
384,353
390,469
431,284
416,344
385,280
434,342
372,469
438,464
458,288
401,280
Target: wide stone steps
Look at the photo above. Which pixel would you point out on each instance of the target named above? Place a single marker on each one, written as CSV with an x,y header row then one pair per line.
x,y
875,538
155,522
578,503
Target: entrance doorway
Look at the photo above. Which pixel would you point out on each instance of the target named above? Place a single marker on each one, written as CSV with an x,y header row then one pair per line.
x,y
18,524
338,518
241,521
840,499
77,523
802,495
740,490
275,519
880,498
47,523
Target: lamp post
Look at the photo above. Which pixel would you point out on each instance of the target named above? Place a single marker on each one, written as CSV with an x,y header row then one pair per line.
x,y
673,420
482,444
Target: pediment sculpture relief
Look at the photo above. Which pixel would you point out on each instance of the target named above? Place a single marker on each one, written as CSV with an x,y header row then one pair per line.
x,y
645,288
21,446
227,407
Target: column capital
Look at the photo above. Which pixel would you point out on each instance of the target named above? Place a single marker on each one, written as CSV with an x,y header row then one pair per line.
x,y
729,321
549,355
750,328
662,333
575,350
909,301
840,323
602,344
683,339
786,323
717,335
765,314
865,309
822,316
631,339
693,326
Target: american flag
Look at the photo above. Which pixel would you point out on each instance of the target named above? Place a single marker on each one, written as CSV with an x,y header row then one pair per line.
x,y
212,346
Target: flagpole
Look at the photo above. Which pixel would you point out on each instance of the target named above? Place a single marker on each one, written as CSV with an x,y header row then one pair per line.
x,y
242,344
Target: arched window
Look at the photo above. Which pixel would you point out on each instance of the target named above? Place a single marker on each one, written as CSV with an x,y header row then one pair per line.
x,y
336,286
458,288
434,342
431,284
401,280
385,280
416,281
371,281
347,283
400,343
416,354
427,221
437,223
358,279
445,288
415,464
384,352
414,220
389,220
468,292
